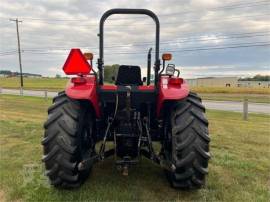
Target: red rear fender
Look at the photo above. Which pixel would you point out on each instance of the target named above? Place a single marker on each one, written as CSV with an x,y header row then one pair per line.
x,y
84,91
171,89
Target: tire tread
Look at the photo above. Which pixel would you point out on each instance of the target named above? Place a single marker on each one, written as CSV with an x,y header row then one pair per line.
x,y
60,142
190,143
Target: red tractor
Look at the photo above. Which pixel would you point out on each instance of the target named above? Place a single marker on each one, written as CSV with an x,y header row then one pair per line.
x,y
132,114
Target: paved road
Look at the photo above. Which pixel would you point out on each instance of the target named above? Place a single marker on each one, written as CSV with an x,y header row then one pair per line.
x,y
35,93
218,105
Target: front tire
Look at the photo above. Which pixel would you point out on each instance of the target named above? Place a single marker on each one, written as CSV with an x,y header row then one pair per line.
x,y
68,139
187,143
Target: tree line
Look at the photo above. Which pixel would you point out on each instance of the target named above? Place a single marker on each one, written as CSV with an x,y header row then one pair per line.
x,y
258,77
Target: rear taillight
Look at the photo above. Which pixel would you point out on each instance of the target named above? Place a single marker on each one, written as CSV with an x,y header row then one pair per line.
x,y
175,81
78,80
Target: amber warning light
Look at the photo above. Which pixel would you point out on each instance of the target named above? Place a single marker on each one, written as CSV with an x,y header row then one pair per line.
x,y
88,56
76,63
166,56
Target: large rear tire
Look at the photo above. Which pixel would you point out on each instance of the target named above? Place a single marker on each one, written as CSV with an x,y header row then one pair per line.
x,y
187,143
68,139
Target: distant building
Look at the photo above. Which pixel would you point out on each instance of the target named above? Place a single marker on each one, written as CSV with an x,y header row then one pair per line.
x,y
226,82
31,75
213,82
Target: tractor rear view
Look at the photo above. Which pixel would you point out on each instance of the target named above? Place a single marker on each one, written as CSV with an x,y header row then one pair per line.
x,y
130,114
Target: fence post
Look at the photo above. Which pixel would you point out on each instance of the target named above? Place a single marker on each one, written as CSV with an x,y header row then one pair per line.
x,y
46,94
245,109
21,91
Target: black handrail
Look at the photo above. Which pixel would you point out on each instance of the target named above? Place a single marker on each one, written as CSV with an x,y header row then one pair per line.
x,y
148,66
101,37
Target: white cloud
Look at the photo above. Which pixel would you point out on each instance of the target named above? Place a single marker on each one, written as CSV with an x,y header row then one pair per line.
x,y
55,70
193,23
212,38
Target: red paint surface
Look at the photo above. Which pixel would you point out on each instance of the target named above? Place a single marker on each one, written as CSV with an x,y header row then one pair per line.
x,y
88,91
151,87
76,63
170,91
85,91
108,87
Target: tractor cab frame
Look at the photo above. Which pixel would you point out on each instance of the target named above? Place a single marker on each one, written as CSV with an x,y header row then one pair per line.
x,y
101,40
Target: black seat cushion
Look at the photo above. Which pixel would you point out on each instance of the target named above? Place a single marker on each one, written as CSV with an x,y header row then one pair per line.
x,y
129,75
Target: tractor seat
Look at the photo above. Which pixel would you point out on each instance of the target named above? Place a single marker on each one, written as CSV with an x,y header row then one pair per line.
x,y
129,76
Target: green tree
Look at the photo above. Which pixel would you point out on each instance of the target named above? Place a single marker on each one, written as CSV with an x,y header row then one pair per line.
x,y
109,72
258,77
261,78
7,72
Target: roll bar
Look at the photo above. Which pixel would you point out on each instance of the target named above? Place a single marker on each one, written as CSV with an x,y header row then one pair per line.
x,y
101,37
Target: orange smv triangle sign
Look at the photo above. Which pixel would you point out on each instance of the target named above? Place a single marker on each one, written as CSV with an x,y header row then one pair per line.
x,y
76,63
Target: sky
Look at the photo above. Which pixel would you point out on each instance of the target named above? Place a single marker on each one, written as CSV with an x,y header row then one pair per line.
x,y
206,37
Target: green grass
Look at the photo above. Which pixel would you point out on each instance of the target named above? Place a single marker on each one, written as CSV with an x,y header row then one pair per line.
x,y
260,98
232,90
51,84
238,171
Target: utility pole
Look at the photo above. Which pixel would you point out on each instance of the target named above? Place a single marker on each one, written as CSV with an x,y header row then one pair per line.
x,y
19,49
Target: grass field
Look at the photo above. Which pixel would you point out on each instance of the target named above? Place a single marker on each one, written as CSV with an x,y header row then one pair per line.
x,y
259,98
51,84
231,90
238,171
261,95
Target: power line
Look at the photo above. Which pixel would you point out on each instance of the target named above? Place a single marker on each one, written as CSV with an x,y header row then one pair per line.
x,y
200,48
216,31
113,46
207,32
251,44
176,41
7,52
148,44
189,21
244,5
219,48
195,11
